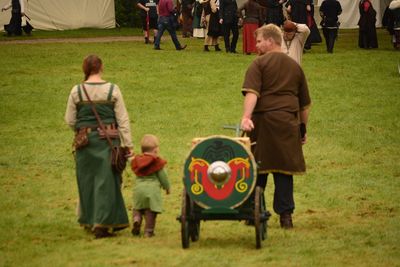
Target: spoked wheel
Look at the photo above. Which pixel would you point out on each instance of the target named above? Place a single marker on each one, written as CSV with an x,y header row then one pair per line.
x,y
184,220
257,217
194,230
263,211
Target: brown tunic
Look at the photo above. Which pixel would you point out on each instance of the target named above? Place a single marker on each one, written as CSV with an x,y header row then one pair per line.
x,y
282,91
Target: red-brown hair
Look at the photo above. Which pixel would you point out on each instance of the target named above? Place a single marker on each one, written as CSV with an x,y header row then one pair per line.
x,y
92,64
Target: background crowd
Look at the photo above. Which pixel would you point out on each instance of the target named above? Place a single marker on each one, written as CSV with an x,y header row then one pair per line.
x,y
224,19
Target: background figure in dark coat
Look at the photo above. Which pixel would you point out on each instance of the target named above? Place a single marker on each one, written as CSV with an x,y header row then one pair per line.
x,y
329,11
17,12
274,12
314,36
187,18
298,12
391,20
367,31
229,20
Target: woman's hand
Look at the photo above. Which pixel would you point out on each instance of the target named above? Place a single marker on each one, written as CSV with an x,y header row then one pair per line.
x,y
129,153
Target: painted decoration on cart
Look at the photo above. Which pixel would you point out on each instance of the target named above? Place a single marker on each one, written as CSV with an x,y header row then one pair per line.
x,y
219,172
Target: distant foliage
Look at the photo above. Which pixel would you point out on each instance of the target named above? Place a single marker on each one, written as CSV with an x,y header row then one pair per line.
x,y
126,13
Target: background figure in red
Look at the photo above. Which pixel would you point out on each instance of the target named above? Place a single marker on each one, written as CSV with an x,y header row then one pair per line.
x,y
252,20
367,30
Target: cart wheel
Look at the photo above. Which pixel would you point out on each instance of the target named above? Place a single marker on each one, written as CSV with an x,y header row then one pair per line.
x,y
194,230
263,211
257,217
184,220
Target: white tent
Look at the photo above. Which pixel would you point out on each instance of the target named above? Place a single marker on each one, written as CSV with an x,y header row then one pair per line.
x,y
65,14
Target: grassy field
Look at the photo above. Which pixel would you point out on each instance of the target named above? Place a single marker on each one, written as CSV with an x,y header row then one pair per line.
x,y
347,206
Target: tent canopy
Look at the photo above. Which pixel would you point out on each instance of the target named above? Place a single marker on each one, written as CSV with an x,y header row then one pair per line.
x,y
66,14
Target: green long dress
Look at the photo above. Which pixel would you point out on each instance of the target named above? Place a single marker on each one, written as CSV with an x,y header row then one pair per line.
x,y
101,201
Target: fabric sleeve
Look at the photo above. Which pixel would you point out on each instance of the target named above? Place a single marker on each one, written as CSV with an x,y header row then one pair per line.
x,y
122,117
70,113
163,178
303,31
252,79
304,95
21,2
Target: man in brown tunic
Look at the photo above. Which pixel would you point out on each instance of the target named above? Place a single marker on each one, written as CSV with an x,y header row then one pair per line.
x,y
275,115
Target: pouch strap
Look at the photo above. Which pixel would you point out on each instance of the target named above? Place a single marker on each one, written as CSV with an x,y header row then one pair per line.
x,y
102,127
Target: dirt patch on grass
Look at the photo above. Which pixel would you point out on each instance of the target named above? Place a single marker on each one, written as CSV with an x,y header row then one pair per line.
x,y
76,40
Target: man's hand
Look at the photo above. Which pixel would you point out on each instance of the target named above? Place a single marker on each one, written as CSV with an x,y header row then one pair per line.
x,y
247,124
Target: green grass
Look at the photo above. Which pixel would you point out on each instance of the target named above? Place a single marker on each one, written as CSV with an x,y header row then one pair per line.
x,y
347,206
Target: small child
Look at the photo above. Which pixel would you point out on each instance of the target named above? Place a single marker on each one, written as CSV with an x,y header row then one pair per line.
x,y
150,176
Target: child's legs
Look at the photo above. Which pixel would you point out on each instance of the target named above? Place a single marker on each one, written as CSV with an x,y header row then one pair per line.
x,y
137,221
150,222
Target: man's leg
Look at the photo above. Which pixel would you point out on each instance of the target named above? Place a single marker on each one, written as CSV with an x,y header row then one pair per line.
x,y
235,37
172,32
160,32
226,31
283,199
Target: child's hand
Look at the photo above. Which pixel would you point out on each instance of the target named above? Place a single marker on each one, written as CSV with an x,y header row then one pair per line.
x,y
168,191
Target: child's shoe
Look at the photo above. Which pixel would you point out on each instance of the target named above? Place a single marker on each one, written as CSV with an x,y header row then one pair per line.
x,y
136,228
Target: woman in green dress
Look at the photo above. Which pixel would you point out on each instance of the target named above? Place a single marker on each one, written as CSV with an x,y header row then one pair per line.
x,y
101,206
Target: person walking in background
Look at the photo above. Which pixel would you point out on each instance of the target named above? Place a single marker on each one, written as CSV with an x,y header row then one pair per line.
x,y
166,22
150,176
329,11
198,24
187,17
229,20
275,114
367,31
210,17
101,205
252,20
298,11
17,12
314,37
274,12
391,20
294,38
149,18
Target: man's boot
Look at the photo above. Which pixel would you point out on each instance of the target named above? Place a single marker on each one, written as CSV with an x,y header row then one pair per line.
x,y
286,220
217,48
206,48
